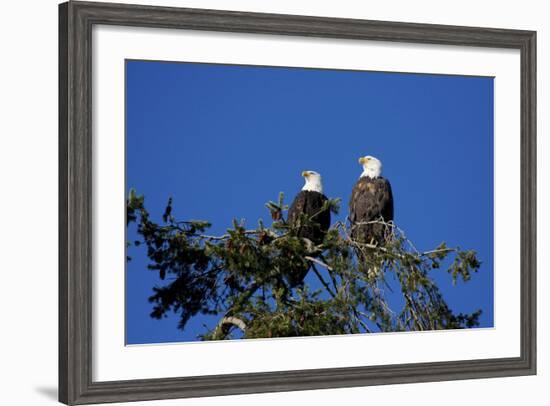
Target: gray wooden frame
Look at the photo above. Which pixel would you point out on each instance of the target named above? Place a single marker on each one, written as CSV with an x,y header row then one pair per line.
x,y
75,196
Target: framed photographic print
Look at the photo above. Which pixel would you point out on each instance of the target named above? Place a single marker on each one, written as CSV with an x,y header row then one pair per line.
x,y
258,202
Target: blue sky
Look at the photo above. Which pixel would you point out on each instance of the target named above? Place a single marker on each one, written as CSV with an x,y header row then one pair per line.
x,y
222,140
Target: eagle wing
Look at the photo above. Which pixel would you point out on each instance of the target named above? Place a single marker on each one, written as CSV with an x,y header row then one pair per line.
x,y
310,203
296,208
370,200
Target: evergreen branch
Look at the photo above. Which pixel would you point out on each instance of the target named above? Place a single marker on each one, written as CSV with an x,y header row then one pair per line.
x,y
322,280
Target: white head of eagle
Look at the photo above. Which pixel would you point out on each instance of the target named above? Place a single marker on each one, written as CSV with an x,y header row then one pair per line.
x,y
372,167
313,180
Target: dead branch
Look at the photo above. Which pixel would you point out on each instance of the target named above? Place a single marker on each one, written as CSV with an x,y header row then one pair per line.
x,y
318,262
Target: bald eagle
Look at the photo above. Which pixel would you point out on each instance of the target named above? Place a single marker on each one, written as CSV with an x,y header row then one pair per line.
x,y
371,201
308,204
308,219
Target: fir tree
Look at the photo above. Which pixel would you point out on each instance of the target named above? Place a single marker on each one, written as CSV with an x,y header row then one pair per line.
x,y
245,277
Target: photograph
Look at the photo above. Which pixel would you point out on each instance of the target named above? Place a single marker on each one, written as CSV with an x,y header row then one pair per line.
x,y
268,202
275,202
257,202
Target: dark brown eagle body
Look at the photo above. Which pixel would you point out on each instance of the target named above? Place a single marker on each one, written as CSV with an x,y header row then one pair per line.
x,y
371,200
309,205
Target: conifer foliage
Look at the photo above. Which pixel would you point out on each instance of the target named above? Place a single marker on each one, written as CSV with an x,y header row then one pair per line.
x,y
247,277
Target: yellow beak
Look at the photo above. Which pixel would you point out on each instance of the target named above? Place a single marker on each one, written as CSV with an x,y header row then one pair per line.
x,y
362,160
305,174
